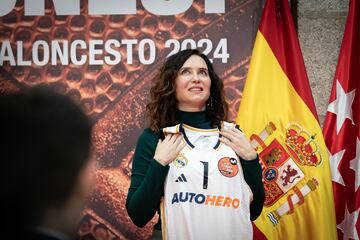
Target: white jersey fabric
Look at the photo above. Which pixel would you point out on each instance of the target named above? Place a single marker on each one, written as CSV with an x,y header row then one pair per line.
x,y
205,194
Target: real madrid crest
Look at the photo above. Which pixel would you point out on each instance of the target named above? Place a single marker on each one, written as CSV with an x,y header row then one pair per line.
x,y
180,161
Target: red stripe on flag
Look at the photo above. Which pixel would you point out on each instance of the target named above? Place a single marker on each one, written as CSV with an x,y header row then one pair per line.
x,y
257,234
278,28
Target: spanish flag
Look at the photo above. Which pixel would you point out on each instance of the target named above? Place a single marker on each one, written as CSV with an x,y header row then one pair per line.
x,y
278,114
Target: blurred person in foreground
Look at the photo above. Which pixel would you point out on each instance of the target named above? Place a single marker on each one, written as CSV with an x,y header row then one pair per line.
x,y
46,166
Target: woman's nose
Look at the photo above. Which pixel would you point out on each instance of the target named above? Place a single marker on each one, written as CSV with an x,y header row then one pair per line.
x,y
195,77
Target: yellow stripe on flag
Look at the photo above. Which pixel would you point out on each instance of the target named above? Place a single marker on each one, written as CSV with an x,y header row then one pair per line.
x,y
270,97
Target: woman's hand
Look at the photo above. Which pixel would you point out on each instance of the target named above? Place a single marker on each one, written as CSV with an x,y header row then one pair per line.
x,y
167,149
237,140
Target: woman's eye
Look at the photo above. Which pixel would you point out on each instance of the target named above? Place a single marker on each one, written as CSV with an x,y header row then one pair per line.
x,y
185,71
203,73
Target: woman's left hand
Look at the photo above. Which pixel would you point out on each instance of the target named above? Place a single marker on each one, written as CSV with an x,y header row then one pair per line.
x,y
237,140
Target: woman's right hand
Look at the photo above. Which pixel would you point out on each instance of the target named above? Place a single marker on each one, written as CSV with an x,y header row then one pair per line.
x,y
167,149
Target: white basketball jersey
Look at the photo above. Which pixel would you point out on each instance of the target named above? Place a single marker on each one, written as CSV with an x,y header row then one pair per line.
x,y
205,194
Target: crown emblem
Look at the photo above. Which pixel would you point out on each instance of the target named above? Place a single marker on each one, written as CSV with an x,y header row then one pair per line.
x,y
302,145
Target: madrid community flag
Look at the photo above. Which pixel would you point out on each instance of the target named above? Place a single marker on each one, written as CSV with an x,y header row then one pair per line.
x,y
278,114
342,129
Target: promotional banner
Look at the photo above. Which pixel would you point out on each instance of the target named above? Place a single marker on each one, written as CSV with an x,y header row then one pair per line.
x,y
342,129
103,54
277,112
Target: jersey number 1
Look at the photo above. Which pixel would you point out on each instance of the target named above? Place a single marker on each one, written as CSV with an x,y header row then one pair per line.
x,y
206,171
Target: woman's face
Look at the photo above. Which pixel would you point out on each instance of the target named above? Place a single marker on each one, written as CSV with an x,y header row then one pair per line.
x,y
192,85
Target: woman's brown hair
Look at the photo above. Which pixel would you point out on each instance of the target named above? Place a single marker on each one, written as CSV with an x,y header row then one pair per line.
x,y
162,109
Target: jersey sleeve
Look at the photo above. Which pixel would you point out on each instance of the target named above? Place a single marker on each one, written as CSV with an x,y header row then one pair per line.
x,y
147,180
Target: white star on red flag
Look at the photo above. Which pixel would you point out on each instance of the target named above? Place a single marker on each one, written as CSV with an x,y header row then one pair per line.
x,y
341,106
347,226
355,165
334,165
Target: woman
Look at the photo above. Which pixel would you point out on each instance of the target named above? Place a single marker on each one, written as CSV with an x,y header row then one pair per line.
x,y
190,162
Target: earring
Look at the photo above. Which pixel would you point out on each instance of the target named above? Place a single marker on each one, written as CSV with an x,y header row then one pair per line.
x,y
209,104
